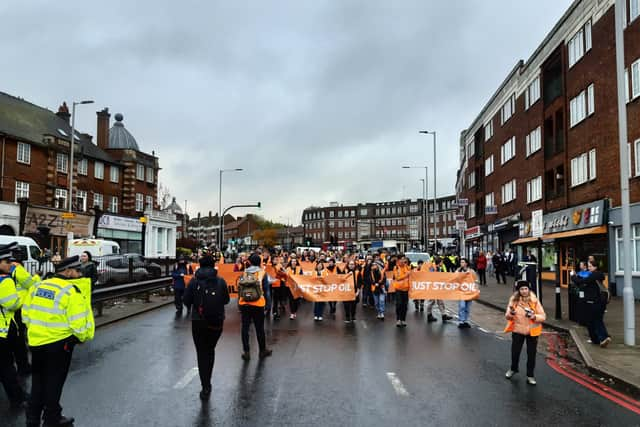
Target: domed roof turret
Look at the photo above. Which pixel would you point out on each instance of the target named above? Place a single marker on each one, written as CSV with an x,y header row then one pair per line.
x,y
119,136
174,207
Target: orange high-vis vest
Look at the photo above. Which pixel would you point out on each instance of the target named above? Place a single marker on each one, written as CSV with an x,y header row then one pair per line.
x,y
401,278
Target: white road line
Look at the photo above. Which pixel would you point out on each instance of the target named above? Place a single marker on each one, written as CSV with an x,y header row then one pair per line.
x,y
484,330
397,384
188,377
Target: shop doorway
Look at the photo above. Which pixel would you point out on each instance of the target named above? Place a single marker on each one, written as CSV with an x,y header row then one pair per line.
x,y
567,262
59,246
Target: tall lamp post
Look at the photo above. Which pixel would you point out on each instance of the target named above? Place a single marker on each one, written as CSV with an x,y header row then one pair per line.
x,y
221,219
435,188
425,212
72,146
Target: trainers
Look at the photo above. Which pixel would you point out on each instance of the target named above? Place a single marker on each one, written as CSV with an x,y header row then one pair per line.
x,y
246,356
320,318
292,316
347,320
509,374
404,324
605,342
464,325
62,421
531,381
446,317
315,317
398,323
266,353
205,393
431,318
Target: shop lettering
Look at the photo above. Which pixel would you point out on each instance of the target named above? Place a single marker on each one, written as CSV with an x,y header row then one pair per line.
x,y
43,220
557,222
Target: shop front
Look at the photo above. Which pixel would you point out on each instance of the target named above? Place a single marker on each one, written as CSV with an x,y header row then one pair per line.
x,y
160,234
616,249
474,241
503,232
569,236
126,231
51,228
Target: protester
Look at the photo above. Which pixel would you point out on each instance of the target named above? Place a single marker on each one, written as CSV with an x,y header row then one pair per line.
x,y
438,266
293,269
499,265
207,294
464,307
252,309
401,284
596,299
525,315
318,307
178,274
278,294
481,267
378,288
332,268
367,294
350,306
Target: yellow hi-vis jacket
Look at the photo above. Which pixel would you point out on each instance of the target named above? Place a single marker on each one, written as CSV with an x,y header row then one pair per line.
x,y
10,302
23,279
56,310
84,284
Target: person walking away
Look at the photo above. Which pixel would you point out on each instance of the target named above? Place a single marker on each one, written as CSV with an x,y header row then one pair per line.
x,y
58,317
596,300
437,266
293,269
401,283
525,315
332,268
367,295
10,302
276,287
177,275
350,306
207,294
252,302
464,307
481,266
378,288
318,307
490,269
499,265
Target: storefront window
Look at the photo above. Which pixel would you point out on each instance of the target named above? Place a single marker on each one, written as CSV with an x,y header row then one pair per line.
x,y
549,259
635,249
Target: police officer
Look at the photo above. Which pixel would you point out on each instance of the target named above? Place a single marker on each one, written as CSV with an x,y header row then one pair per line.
x,y
10,302
58,316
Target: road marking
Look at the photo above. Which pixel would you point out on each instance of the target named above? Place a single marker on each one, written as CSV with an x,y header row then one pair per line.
x,y
484,330
397,384
188,377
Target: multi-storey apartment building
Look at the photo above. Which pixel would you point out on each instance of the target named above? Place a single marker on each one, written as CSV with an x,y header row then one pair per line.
x,y
365,223
547,140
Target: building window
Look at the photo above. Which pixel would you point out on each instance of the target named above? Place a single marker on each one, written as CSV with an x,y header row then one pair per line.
x,y
330,214
635,249
533,141
364,212
508,150
488,166
579,44
534,189
339,214
62,163
634,9
582,105
22,190
471,180
509,191
150,175
60,201
532,93
81,201
24,153
472,210
98,200
114,173
83,167
139,202
471,150
140,172
635,79
113,204
331,224
149,203
508,109
489,200
583,168
98,170
488,130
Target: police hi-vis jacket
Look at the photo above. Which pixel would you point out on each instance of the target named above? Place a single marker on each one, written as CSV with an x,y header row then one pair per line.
x,y
10,302
55,310
23,279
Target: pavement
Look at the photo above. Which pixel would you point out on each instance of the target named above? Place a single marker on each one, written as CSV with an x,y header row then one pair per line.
x,y
617,361
141,371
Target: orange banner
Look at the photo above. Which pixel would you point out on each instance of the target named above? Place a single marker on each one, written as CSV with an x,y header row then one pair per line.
x,y
445,286
308,267
389,275
334,287
226,272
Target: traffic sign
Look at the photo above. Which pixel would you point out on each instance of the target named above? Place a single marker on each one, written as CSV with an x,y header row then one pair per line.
x,y
461,225
459,217
537,225
68,215
463,202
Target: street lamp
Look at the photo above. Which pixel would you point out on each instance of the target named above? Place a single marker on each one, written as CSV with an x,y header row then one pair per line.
x,y
221,219
435,163
425,213
72,145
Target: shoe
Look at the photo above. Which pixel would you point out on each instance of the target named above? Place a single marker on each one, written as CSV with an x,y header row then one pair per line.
x,y
399,324
266,353
464,325
446,317
292,316
62,421
605,342
382,317
421,308
246,356
431,318
509,374
531,381
320,319
276,316
404,324
315,318
205,393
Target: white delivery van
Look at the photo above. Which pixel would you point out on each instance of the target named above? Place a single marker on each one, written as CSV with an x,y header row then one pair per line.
x,y
96,247
31,254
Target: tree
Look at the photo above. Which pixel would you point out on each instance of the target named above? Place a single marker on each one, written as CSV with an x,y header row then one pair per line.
x,y
164,196
267,237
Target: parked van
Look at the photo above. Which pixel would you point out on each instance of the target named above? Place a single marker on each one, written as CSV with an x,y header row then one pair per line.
x,y
96,247
31,256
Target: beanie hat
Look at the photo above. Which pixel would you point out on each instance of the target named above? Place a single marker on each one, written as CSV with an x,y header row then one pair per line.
x,y
522,284
207,261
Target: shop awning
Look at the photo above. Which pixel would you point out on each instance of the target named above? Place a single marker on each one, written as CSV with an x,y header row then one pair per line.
x,y
564,234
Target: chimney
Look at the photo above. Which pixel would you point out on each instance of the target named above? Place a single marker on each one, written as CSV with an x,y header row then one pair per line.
x,y
63,112
103,128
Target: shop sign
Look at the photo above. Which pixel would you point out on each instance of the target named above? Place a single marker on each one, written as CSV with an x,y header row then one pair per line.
x,y
113,222
59,223
461,224
583,216
490,210
463,202
537,223
473,232
459,217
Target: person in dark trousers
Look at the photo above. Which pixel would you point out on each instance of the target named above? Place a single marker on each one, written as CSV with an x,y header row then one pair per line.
x,y
178,274
254,312
595,303
350,306
481,268
367,295
499,264
207,294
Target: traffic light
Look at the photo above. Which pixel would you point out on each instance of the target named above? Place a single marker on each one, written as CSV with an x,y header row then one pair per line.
x,y
307,242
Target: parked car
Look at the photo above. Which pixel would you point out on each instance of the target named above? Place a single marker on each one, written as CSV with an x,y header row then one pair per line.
x,y
114,269
31,256
154,270
414,257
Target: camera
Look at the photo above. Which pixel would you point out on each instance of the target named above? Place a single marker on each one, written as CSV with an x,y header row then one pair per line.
x,y
529,312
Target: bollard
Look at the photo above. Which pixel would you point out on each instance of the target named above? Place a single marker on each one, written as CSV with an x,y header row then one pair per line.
x,y
558,302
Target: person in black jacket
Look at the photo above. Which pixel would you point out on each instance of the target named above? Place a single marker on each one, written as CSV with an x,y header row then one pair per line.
x,y
89,268
595,304
207,294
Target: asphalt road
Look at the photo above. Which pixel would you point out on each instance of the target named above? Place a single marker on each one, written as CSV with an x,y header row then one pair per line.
x,y
141,372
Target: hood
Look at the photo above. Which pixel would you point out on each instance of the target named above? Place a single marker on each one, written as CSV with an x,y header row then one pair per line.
x,y
205,273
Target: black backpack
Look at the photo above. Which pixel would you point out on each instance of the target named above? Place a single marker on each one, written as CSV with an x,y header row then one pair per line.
x,y
209,299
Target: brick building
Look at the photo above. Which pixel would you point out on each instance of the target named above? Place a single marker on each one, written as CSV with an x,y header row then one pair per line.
x,y
365,223
548,140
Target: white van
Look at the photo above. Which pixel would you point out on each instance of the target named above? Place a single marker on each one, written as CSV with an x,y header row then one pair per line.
x,y
96,247
31,254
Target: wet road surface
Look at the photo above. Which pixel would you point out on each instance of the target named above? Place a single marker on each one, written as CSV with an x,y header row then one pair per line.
x,y
141,372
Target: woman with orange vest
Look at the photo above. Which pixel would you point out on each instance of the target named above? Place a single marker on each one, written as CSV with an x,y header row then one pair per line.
x,y
278,288
318,307
350,306
525,315
401,283
253,312
293,269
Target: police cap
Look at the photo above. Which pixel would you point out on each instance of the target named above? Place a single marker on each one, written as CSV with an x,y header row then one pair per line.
x,y
69,263
6,251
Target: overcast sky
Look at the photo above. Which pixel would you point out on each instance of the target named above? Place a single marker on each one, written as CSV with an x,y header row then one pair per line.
x,y
318,101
